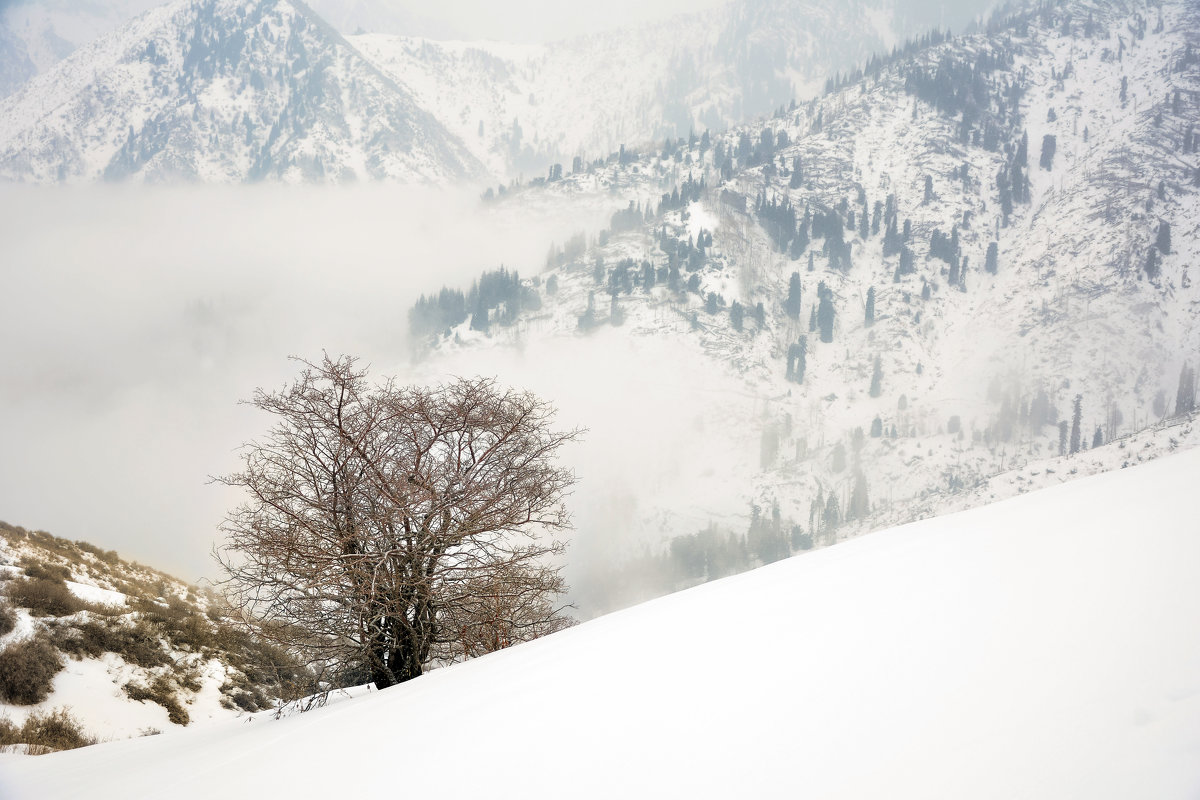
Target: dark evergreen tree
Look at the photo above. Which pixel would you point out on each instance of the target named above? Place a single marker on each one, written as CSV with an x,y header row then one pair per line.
x,y
737,316
812,320
1063,429
928,189
1185,396
991,261
877,378
1049,145
859,505
792,305
869,317
1097,438
825,313
1076,420
1163,242
876,428
1152,264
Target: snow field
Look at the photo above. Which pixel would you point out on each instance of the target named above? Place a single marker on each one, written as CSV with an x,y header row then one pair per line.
x,y
1044,646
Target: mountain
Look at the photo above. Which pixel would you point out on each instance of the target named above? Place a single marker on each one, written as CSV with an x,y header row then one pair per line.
x,y
1031,648
37,34
124,649
521,107
222,90
1029,196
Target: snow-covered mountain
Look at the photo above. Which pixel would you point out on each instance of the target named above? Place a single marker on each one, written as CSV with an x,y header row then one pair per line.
x,y
223,90
522,107
1044,647
1062,142
37,34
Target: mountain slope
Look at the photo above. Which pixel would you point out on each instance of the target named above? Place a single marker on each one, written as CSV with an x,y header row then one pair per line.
x,y
223,90
522,107
1032,648
961,372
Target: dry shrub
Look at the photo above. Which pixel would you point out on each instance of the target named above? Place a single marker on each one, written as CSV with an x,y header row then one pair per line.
x,y
163,693
8,618
51,572
46,733
44,597
27,670
137,644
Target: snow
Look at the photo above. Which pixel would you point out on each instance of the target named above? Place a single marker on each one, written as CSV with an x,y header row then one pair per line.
x,y
1044,646
94,594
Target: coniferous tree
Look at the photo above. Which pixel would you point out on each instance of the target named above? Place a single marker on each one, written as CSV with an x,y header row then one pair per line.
x,y
760,316
792,305
1163,241
877,378
991,261
1097,438
1076,419
839,457
737,316
1063,428
869,317
859,506
876,428
812,320
1049,145
825,312
1185,396
1152,265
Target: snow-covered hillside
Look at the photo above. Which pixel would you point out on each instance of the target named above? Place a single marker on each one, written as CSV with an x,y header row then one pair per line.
x,y
1043,647
223,90
127,651
520,108
961,372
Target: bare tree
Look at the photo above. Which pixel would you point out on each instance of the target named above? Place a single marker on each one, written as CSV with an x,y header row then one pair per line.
x,y
390,528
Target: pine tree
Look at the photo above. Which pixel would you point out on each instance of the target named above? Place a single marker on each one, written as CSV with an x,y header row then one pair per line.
x,y
737,316
928,189
877,378
1049,145
825,313
1076,418
1185,396
869,317
859,506
991,261
1097,438
792,306
1164,237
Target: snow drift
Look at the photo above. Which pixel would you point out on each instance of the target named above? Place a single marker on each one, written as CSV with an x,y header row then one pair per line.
x,y
1044,646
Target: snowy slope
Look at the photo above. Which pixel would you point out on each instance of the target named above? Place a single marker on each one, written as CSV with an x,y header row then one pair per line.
x,y
134,628
520,108
223,90
1033,648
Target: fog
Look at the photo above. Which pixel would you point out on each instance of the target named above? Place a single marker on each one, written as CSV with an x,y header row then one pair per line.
x,y
135,319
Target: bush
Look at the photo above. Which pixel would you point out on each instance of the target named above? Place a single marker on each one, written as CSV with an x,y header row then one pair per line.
x,y
8,618
27,670
44,597
51,572
163,693
46,733
137,644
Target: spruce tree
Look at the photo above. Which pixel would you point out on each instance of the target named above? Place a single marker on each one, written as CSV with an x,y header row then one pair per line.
x,y
1076,418
792,305
877,378
1164,237
991,261
825,312
1185,396
869,317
